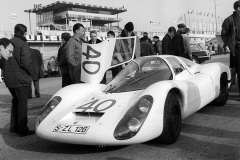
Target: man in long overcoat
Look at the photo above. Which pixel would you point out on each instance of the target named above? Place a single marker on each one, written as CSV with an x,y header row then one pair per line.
x,y
36,58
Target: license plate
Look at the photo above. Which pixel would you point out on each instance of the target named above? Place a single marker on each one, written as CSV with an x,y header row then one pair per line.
x,y
71,129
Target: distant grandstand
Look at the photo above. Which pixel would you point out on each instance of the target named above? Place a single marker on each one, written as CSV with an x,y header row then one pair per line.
x,y
60,16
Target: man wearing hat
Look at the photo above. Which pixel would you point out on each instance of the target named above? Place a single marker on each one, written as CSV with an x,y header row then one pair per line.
x,y
145,34
125,47
231,37
186,42
178,40
157,46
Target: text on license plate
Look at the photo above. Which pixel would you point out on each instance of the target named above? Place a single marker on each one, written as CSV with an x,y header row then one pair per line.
x,y
71,129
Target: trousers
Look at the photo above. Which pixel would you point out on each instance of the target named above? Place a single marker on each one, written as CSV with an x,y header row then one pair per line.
x,y
19,120
36,89
237,66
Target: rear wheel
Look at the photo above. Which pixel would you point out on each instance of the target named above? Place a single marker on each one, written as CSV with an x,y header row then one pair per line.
x,y
195,59
171,120
223,95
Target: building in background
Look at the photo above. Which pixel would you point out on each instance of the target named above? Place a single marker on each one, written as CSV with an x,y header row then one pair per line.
x,y
54,19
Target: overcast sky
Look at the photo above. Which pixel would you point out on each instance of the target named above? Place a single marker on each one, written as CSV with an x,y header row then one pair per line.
x,y
140,12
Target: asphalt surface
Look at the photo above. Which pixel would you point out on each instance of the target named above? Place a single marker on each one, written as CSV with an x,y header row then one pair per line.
x,y
211,133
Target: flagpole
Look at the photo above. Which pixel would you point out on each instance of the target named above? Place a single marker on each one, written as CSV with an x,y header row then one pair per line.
x,y
215,10
185,19
189,23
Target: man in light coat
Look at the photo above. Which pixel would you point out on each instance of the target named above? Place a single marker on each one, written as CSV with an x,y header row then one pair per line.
x,y
74,52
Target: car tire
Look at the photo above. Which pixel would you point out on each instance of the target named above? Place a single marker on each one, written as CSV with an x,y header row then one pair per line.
x,y
171,120
195,59
223,95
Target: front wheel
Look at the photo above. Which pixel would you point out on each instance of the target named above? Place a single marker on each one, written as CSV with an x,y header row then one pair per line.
x,y
223,95
171,120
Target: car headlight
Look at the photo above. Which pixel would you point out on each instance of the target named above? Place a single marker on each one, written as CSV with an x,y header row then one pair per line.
x,y
48,108
133,120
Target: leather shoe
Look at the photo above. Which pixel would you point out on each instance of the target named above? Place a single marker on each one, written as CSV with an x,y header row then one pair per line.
x,y
29,97
37,96
13,131
27,133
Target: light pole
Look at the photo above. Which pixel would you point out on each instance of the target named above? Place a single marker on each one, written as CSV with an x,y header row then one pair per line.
x,y
215,12
13,17
215,15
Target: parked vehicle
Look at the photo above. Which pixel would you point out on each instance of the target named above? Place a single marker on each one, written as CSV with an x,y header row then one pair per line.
x,y
147,100
199,54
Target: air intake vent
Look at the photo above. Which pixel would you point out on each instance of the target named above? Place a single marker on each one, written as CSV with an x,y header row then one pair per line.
x,y
89,114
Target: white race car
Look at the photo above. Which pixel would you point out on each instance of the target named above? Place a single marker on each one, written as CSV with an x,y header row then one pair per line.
x,y
147,100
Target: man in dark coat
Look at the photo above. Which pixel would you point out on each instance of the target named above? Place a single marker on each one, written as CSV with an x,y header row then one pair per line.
x,y
36,66
146,47
62,61
17,72
145,34
230,35
94,39
157,46
167,43
178,41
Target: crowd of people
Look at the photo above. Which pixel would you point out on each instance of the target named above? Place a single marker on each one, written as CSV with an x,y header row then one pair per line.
x,y
175,42
21,65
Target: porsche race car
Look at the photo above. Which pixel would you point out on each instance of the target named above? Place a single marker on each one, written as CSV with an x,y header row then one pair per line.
x,y
147,100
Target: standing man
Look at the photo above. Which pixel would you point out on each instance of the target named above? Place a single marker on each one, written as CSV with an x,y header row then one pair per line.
x,y
36,58
95,40
115,70
110,34
167,43
17,70
186,41
146,47
54,67
231,37
62,60
128,32
178,40
157,46
74,52
93,37
145,34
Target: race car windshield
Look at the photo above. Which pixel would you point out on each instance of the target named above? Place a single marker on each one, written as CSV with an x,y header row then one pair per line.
x,y
139,74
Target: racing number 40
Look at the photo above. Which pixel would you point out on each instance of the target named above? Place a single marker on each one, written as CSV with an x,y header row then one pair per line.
x,y
90,105
88,56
